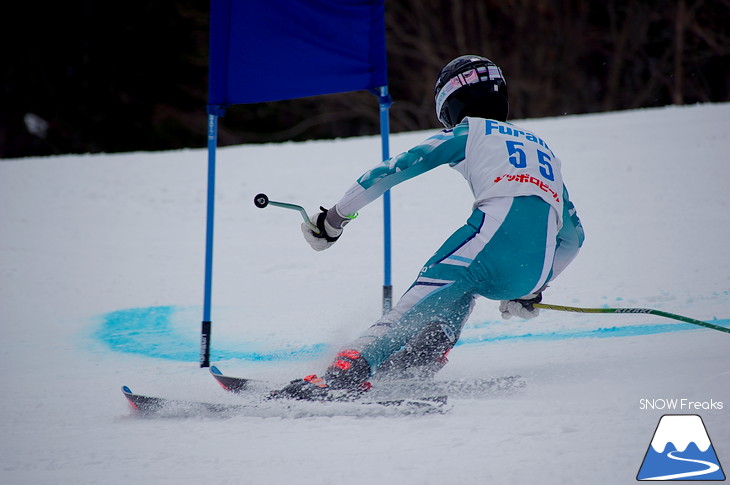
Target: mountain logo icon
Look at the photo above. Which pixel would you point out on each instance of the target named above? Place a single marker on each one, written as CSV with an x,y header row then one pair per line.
x,y
680,450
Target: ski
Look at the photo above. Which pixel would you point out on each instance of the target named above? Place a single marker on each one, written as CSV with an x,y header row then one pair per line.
x,y
150,406
398,388
455,388
234,384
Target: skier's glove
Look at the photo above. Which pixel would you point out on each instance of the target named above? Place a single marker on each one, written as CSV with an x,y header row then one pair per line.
x,y
521,307
330,223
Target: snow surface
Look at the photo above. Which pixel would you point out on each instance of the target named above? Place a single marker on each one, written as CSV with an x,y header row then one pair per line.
x,y
92,243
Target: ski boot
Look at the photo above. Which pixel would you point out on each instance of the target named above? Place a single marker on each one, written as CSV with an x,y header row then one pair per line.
x,y
344,380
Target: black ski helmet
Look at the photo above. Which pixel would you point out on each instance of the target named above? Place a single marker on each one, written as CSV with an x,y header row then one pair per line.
x,y
471,86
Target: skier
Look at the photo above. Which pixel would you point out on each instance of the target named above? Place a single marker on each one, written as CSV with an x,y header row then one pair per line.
x,y
522,233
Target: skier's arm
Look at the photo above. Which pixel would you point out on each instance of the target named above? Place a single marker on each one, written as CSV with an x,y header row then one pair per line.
x,y
447,147
570,237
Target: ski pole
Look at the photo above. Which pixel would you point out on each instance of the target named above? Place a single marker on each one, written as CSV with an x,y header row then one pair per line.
x,y
632,310
262,200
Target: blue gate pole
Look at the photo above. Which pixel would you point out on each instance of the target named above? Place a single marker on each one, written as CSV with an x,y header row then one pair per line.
x,y
213,113
385,102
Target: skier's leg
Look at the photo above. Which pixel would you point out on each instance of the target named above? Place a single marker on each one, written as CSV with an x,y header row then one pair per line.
x,y
427,320
515,259
434,308
422,357
505,251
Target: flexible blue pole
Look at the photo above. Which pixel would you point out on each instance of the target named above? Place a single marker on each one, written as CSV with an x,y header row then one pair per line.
x,y
205,333
385,102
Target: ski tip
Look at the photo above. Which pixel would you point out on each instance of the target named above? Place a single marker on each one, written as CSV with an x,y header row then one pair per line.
x,y
230,384
130,398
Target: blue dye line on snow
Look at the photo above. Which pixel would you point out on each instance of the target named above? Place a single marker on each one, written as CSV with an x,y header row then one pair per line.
x,y
150,331
627,331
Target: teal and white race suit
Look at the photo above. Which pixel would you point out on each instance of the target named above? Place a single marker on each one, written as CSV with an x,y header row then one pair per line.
x,y
522,233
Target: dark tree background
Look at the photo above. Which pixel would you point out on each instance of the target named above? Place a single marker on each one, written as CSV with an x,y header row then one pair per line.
x,y
95,76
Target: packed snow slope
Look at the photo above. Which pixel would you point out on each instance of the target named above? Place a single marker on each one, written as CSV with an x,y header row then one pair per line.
x,y
101,285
